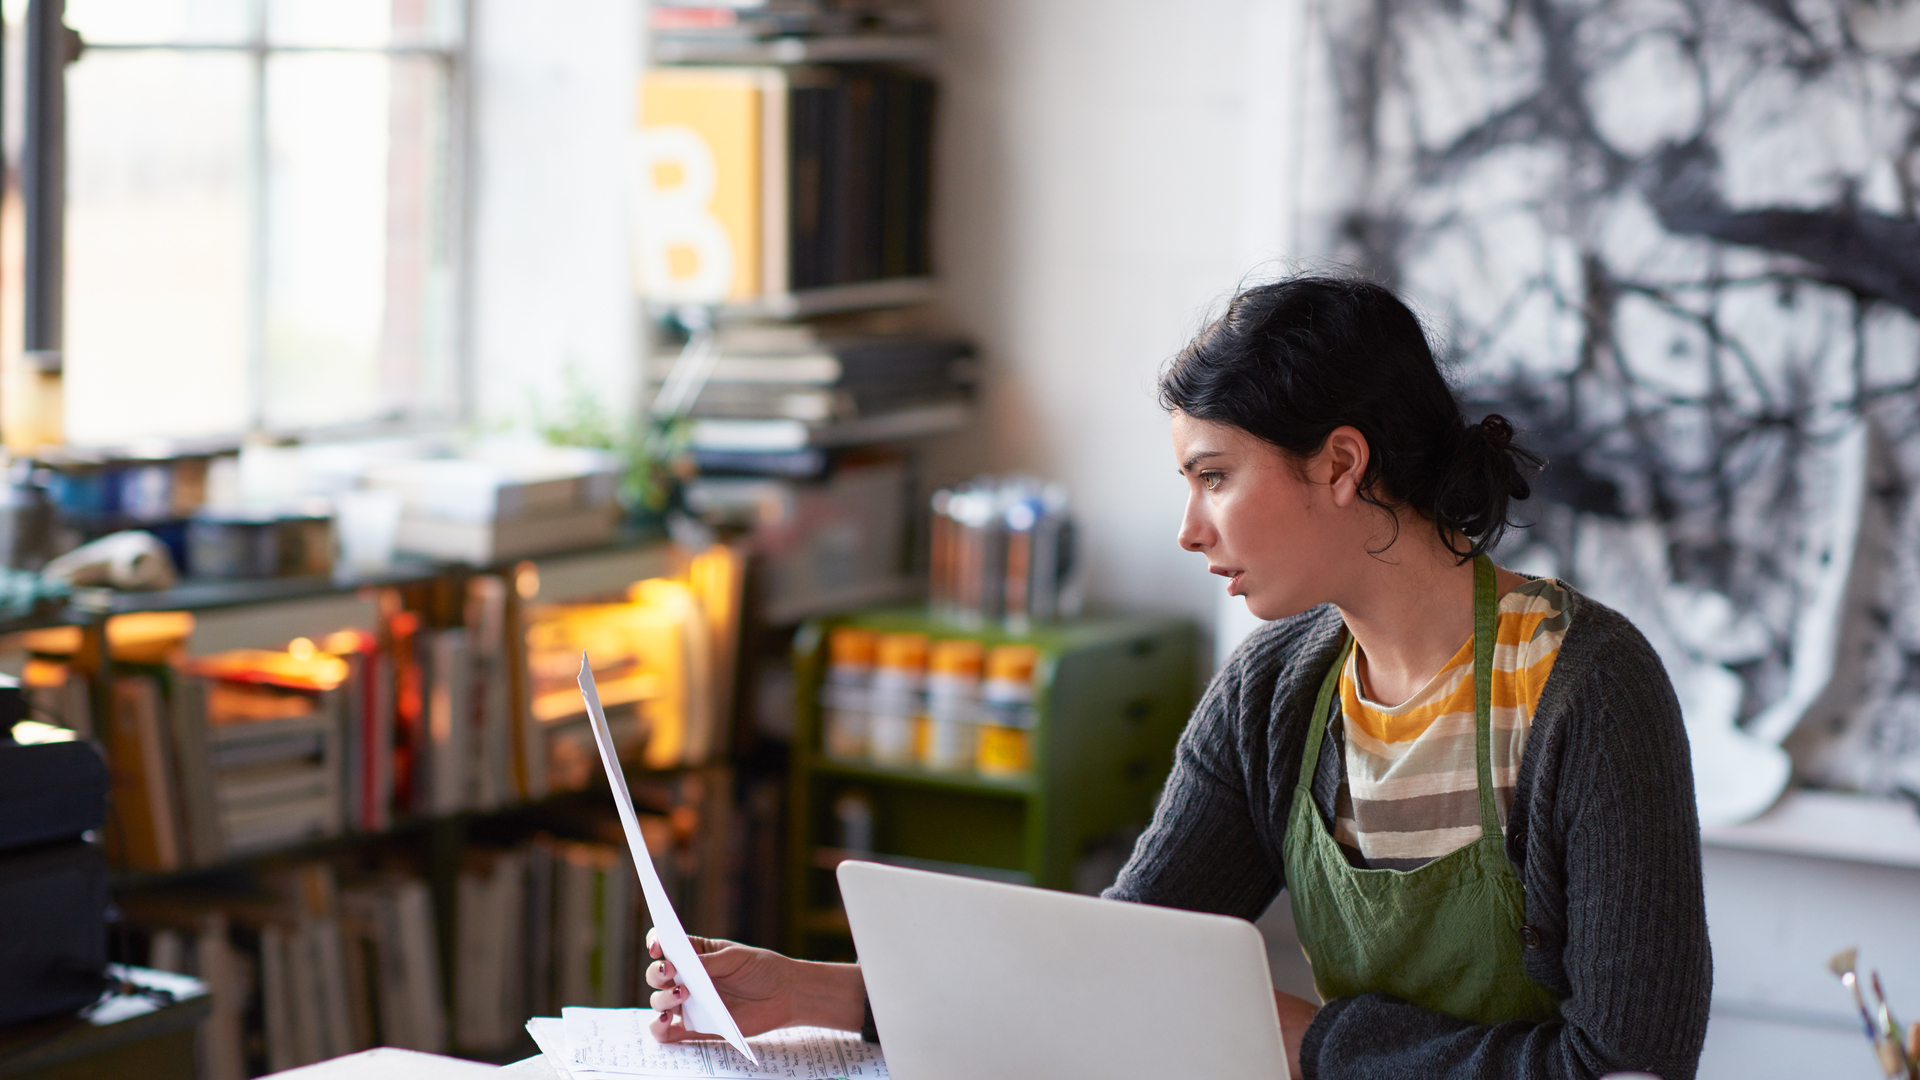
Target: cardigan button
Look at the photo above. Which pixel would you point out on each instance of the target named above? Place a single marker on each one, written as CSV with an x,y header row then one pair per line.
x,y
1530,937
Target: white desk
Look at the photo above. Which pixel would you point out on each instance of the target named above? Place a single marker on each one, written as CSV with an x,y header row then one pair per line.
x,y
387,1063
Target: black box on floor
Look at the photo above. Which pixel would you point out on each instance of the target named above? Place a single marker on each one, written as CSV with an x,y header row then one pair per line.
x,y
53,881
53,929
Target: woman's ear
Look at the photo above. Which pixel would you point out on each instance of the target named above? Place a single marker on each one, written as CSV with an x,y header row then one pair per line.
x,y
1344,456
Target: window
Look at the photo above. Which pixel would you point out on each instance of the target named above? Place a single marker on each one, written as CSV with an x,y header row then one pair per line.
x,y
262,219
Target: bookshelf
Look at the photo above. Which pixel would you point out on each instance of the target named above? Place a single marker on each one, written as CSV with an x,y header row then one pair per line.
x,y
441,878
1111,697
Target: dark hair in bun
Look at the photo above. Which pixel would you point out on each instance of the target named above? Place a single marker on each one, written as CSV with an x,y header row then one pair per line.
x,y
1292,360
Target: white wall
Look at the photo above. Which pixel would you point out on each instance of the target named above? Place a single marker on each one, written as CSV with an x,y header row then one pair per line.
x,y
1091,205
553,115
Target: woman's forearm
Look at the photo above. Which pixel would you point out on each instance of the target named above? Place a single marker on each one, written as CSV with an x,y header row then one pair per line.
x,y
827,995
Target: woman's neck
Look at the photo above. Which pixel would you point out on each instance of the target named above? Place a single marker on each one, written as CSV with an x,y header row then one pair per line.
x,y
1409,612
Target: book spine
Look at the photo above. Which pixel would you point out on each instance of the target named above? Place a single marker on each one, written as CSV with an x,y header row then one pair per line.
x,y
187,709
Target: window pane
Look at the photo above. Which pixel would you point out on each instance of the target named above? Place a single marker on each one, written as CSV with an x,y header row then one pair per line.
x,y
156,21
355,317
157,248
361,22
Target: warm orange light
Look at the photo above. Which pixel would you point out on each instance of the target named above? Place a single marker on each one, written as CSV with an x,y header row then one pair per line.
x,y
53,641
342,642
318,672
301,649
148,637
44,674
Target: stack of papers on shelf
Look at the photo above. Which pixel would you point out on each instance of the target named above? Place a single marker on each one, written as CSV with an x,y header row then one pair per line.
x,y
502,501
615,1044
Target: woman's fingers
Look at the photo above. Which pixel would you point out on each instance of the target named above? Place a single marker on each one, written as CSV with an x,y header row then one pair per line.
x,y
672,1027
660,974
653,943
663,1000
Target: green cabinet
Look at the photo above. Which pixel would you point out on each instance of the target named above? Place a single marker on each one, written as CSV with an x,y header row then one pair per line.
x,y
1112,696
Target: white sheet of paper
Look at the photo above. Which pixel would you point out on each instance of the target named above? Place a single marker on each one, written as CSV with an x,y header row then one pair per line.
x,y
703,1010
616,1043
550,1035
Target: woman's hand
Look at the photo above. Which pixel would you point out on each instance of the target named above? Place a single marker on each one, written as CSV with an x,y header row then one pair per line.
x,y
1295,1014
761,988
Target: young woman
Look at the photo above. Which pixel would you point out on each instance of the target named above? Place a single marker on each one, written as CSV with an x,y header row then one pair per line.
x,y
1473,786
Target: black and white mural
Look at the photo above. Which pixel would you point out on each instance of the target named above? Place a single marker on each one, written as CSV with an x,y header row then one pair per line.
x,y
1676,241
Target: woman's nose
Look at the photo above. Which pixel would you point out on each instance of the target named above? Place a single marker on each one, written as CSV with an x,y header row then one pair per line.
x,y
1195,533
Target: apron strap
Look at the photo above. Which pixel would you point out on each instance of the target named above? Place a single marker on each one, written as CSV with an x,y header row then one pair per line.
x,y
1486,627
1323,713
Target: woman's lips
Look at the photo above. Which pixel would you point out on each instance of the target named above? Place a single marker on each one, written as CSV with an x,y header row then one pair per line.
x,y
1233,578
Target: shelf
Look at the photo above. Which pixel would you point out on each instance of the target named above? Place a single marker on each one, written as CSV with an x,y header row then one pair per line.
x,y
916,422
1829,825
401,828
911,776
806,303
122,1032
206,595
88,605
852,49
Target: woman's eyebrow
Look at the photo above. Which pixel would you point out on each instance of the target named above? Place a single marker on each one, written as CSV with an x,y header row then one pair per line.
x,y
1188,465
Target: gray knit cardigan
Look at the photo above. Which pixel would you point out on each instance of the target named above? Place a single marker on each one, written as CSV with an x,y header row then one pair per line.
x,y
1603,829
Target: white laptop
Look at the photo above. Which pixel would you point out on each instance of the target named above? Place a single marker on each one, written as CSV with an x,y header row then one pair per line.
x,y
971,979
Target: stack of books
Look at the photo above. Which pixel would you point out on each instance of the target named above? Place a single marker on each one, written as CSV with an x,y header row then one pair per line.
x,y
777,397
323,961
758,20
246,751
306,969
502,503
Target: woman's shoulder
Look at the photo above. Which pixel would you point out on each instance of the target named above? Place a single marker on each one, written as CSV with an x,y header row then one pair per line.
x,y
1608,688
1282,654
1600,641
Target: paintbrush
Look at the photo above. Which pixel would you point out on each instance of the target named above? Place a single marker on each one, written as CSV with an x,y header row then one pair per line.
x,y
1842,965
1892,1048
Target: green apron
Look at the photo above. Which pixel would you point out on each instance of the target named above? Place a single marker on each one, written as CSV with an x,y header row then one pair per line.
x,y
1445,936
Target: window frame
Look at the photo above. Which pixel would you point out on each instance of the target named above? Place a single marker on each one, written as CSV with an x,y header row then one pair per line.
x,y
51,45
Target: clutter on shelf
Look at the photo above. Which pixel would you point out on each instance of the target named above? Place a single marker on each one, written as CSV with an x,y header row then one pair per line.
x,y
824,545
767,398
1003,553
235,752
280,511
1031,758
322,958
953,705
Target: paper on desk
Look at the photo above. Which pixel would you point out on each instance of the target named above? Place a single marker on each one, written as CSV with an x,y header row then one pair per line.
x,y
615,1044
703,1010
550,1035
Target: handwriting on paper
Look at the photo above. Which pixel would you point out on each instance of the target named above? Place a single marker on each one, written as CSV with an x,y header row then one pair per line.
x,y
618,1041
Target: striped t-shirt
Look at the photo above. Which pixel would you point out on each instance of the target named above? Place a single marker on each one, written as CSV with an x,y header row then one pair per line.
x,y
1409,789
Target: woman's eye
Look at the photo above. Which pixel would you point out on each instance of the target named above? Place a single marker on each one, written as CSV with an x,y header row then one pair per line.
x,y
1211,480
